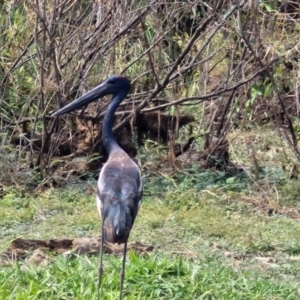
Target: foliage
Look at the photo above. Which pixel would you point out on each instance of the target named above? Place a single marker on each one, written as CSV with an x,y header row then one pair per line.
x,y
217,234
221,60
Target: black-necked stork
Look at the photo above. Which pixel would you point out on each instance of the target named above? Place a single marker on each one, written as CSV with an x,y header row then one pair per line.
x,y
119,187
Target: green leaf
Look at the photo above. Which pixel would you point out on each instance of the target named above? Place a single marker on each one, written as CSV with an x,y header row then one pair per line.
x,y
268,90
230,180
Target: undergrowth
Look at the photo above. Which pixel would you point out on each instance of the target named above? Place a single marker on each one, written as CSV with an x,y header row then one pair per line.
x,y
209,242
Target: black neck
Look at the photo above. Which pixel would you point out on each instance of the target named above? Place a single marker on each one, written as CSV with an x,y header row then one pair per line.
x,y
109,141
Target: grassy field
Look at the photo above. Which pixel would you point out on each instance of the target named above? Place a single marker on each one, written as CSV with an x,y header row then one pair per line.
x,y
215,236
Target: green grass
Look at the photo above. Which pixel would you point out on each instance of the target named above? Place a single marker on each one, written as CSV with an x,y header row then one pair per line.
x,y
158,276
209,242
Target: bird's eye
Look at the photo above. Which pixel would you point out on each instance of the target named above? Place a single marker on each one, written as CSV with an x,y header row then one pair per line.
x,y
111,80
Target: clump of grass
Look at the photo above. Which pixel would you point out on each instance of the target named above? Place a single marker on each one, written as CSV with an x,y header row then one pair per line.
x,y
157,276
290,193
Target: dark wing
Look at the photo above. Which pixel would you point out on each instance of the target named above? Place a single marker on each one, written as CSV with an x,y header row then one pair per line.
x,y
119,194
120,186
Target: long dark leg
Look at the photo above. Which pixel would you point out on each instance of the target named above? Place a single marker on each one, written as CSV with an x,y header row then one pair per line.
x,y
122,275
100,268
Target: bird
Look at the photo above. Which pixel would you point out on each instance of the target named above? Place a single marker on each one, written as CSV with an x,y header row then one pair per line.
x,y
119,187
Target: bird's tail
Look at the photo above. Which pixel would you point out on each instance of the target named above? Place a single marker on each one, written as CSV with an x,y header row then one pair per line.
x,y
118,223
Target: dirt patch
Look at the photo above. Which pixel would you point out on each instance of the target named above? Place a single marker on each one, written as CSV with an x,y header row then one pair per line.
x,y
39,252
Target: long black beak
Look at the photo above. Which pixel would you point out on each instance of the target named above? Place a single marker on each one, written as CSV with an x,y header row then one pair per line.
x,y
96,93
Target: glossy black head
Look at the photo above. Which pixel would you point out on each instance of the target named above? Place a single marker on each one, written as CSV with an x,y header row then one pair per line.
x,y
114,85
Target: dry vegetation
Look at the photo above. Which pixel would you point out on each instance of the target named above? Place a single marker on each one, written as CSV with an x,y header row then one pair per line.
x,y
217,64
212,118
